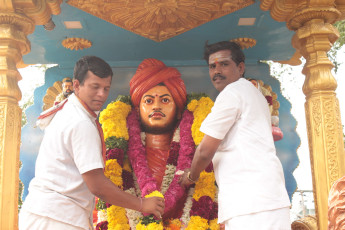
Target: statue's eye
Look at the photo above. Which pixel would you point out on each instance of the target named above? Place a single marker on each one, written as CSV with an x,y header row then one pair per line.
x,y
165,100
148,101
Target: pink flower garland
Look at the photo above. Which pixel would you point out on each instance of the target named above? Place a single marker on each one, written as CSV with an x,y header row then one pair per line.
x,y
137,155
186,153
136,152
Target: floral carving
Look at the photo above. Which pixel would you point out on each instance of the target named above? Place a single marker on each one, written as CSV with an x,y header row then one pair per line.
x,y
245,43
159,19
316,113
51,94
76,43
331,132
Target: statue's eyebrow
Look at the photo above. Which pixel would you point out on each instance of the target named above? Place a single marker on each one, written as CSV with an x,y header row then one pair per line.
x,y
149,96
164,95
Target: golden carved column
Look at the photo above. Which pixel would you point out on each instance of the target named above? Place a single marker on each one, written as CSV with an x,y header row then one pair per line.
x,y
15,25
312,20
314,38
13,43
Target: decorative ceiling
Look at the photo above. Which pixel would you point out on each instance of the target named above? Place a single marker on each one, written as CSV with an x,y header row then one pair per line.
x,y
124,32
159,19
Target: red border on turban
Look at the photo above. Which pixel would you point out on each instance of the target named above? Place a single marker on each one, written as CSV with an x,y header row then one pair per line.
x,y
152,72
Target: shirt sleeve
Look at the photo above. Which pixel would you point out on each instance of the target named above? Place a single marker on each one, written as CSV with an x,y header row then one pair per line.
x,y
86,147
225,112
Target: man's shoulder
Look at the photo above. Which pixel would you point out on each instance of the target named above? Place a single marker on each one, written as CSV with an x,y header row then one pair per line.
x,y
240,87
71,115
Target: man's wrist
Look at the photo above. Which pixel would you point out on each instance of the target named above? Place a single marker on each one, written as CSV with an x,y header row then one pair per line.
x,y
191,179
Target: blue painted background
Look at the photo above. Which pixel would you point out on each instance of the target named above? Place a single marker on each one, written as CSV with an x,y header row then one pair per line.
x,y
196,79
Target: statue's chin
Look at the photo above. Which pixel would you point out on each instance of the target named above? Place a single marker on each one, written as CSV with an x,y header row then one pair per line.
x,y
158,129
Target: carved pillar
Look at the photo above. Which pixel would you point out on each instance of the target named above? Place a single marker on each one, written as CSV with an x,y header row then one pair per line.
x,y
314,38
312,20
15,25
13,30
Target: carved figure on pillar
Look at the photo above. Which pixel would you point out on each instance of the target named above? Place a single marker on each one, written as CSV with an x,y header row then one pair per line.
x,y
336,205
271,98
67,89
151,137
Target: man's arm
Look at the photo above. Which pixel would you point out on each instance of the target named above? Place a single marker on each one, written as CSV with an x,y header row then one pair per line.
x,y
102,187
202,158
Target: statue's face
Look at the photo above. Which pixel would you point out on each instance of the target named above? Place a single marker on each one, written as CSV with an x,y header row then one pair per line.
x,y
67,88
158,111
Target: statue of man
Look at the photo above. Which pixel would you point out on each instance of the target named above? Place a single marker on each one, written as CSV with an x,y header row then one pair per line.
x,y
159,95
160,146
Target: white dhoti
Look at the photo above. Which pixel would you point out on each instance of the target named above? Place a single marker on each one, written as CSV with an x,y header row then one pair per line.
x,y
278,219
30,221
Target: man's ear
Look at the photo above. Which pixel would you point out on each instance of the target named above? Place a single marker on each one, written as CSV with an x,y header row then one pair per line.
x,y
138,110
76,85
241,68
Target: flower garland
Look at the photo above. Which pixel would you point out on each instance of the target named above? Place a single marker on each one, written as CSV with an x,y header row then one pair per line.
x,y
200,108
116,216
200,199
137,155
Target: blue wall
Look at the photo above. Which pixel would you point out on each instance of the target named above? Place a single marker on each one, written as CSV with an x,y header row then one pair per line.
x,y
196,79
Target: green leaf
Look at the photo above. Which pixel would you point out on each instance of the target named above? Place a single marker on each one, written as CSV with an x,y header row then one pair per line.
x,y
114,142
146,220
101,205
195,96
124,99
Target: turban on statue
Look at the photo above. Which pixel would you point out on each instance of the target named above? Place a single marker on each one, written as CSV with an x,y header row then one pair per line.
x,y
152,72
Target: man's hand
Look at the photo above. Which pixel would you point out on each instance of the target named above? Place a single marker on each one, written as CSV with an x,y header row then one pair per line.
x,y
153,205
184,181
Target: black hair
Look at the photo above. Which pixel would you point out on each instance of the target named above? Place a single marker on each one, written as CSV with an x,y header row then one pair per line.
x,y
237,54
95,64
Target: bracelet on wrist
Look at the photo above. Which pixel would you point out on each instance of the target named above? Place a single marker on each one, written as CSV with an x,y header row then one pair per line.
x,y
190,179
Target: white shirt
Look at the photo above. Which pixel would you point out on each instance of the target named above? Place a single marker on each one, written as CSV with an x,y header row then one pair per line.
x,y
248,172
71,146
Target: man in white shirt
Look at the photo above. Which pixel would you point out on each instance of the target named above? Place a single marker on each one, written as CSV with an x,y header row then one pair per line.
x,y
69,167
238,140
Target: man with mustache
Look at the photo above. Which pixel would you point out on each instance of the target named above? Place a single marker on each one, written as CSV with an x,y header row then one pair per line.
x,y
67,89
69,168
159,95
238,140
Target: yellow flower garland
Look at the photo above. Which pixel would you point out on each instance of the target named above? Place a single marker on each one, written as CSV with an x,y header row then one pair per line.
x,y
197,223
206,183
152,226
214,225
118,127
113,171
117,218
200,109
155,194
205,186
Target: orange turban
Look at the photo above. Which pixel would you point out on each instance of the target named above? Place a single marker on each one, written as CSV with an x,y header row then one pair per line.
x,y
152,72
